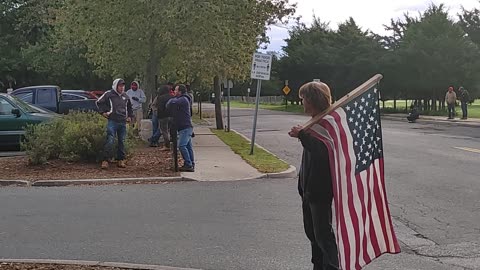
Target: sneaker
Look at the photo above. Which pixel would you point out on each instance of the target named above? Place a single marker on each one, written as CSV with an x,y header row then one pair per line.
x,y
186,169
121,164
153,144
165,149
104,165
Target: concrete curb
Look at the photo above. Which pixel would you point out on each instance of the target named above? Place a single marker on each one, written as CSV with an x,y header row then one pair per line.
x,y
95,263
18,183
141,180
112,181
288,173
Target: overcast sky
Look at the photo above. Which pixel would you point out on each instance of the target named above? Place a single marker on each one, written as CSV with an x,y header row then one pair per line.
x,y
369,14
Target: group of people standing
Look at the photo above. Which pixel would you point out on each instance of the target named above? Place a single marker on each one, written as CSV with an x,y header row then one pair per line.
x,y
451,99
171,110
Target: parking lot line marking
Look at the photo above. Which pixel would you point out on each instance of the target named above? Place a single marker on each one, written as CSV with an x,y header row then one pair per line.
x,y
469,149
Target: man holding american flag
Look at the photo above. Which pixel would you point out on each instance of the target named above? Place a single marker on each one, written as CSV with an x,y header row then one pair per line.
x,y
315,181
343,160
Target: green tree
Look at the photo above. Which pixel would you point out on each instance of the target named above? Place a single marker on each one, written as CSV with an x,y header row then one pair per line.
x,y
436,53
343,58
188,39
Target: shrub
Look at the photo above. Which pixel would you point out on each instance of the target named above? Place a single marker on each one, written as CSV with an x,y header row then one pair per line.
x,y
78,136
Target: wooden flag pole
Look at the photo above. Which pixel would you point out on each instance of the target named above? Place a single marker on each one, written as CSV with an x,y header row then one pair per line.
x,y
347,98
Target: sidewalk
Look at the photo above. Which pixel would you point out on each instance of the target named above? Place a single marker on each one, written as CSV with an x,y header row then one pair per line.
x,y
215,161
471,122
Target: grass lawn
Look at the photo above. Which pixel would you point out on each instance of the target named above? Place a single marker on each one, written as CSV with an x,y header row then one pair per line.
x,y
261,160
473,110
273,107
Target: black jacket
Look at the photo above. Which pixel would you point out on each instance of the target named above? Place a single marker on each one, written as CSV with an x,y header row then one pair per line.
x,y
315,179
118,105
162,111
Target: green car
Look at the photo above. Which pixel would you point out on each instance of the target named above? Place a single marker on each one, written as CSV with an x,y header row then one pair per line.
x,y
15,115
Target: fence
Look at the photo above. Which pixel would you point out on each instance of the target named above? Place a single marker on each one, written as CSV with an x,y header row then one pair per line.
x,y
264,99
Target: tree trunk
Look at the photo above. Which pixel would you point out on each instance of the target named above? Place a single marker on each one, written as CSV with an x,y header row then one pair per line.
x,y
218,105
151,68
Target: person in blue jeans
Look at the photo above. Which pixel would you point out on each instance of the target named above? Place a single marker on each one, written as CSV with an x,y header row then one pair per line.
x,y
115,105
179,108
156,132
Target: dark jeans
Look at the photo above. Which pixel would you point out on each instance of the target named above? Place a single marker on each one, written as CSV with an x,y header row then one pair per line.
x,y
317,220
185,146
156,133
165,130
120,131
464,109
451,110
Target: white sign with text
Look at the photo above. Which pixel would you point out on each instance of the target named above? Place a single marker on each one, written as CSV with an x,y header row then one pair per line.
x,y
261,66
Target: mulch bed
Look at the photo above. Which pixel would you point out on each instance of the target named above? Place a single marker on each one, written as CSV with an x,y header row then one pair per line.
x,y
145,162
21,266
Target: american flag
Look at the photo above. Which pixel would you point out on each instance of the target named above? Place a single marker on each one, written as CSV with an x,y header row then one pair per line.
x,y
353,136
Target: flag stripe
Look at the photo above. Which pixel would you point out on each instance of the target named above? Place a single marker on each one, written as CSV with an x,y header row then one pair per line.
x,y
386,214
371,229
366,248
352,134
344,243
380,210
349,176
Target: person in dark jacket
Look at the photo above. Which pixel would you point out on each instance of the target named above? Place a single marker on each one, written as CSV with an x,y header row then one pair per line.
x,y
413,115
315,181
179,107
164,116
115,105
464,100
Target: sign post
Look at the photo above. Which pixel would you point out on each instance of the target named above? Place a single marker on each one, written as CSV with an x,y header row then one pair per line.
x,y
228,84
261,67
286,90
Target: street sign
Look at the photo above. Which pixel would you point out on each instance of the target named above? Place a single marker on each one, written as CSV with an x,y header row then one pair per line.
x,y
261,66
286,90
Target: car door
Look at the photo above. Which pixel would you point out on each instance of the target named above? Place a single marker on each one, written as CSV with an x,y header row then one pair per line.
x,y
11,126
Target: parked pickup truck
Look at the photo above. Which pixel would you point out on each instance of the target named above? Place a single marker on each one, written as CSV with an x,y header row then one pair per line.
x,y
51,98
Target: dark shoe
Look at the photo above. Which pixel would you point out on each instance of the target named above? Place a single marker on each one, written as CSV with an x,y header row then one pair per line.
x,y
187,169
152,144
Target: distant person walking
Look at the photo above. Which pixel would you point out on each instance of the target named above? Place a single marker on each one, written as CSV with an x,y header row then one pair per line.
x,y
138,98
451,98
464,100
116,106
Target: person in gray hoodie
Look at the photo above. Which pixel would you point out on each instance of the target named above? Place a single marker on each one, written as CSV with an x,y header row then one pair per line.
x,y
137,97
116,106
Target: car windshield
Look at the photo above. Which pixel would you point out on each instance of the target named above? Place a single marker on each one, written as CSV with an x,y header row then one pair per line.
x,y
27,107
